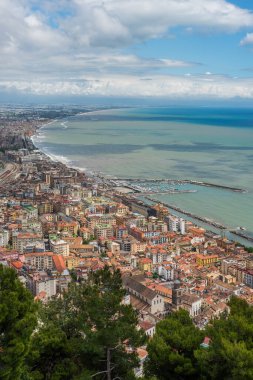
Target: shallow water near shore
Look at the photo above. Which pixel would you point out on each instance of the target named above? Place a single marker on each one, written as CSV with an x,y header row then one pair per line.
x,y
213,145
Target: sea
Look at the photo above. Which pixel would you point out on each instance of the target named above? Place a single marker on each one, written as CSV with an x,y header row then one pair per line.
x,y
200,144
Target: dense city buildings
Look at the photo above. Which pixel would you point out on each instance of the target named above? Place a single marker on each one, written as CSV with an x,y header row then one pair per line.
x,y
56,221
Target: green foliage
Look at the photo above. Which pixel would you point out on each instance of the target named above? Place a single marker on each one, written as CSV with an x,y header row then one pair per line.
x,y
87,241
175,351
17,322
85,327
84,334
51,355
249,249
230,355
73,274
171,351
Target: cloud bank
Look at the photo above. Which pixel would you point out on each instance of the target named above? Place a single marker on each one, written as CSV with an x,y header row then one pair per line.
x,y
132,86
80,47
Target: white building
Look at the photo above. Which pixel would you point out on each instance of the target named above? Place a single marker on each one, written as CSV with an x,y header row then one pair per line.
x,y
4,238
154,303
21,239
191,303
167,272
148,327
40,261
197,239
59,247
41,282
182,226
176,224
158,256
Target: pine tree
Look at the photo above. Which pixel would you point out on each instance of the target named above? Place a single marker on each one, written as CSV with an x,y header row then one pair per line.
x,y
230,355
171,351
86,333
17,322
175,351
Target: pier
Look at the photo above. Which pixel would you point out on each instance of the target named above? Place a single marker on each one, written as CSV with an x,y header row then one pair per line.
x,y
166,192
241,235
179,182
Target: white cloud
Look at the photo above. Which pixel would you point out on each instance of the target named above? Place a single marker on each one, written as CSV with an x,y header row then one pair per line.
x,y
131,86
75,24
120,22
247,40
76,46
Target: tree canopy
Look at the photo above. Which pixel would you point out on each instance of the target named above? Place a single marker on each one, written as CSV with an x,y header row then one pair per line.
x,y
230,355
88,333
175,351
171,351
17,322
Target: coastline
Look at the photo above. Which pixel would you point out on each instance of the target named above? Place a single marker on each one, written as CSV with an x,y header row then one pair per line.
x,y
101,176
62,159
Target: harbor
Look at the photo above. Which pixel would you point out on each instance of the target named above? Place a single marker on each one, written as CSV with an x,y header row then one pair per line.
x,y
178,182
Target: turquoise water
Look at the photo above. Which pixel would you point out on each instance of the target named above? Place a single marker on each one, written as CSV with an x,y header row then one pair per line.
x,y
214,145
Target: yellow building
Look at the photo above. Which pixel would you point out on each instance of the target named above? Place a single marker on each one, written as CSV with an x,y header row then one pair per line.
x,y
206,259
71,261
70,227
45,208
145,264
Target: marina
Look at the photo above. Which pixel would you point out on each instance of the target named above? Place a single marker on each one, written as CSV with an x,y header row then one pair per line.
x,y
180,182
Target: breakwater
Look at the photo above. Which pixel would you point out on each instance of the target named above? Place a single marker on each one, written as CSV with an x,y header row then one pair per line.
x,y
180,182
242,235
166,192
232,233
187,213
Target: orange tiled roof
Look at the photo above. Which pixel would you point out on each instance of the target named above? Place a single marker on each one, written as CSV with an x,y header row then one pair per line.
x,y
17,264
200,256
59,263
145,260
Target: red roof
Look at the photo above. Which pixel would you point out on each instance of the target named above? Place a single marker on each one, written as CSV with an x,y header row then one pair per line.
x,y
145,325
145,260
42,295
17,264
59,263
206,340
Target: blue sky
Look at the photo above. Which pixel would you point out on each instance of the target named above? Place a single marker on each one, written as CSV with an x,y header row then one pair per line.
x,y
127,48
